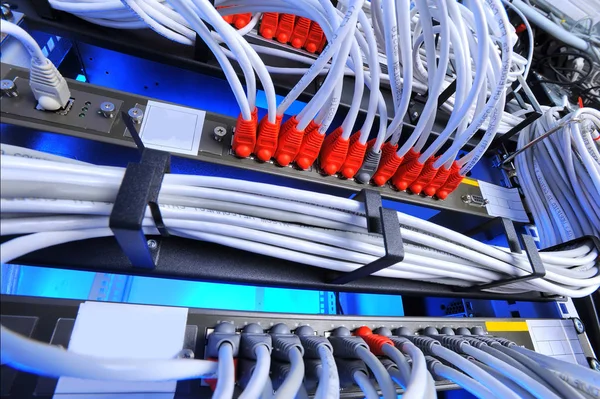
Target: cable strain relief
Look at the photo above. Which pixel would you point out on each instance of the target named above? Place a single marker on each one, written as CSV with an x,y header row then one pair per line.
x,y
453,181
388,364
244,138
309,149
407,173
312,344
268,134
504,341
387,167
268,25
279,372
487,340
290,140
48,85
454,343
285,28
431,363
425,177
473,341
334,154
369,166
250,342
312,125
355,157
300,33
315,36
438,181
346,347
425,344
347,368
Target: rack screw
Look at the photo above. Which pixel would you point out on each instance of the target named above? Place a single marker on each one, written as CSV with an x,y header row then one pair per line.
x,y
107,109
219,132
579,327
6,11
136,114
186,354
152,244
8,88
594,364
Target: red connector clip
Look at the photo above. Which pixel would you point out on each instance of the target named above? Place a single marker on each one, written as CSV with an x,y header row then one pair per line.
x,y
452,183
241,20
388,165
268,25
322,44
334,152
427,175
311,145
244,138
300,32
285,28
438,181
314,38
374,341
290,140
355,157
266,143
408,172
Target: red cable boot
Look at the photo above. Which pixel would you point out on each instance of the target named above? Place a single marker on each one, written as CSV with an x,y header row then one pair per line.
x,y
290,140
427,175
355,157
452,183
438,181
266,143
244,138
388,165
333,153
285,28
268,25
314,39
375,341
311,145
408,172
300,33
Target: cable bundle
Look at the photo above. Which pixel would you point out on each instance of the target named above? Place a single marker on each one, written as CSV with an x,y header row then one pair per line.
x,y
560,176
55,200
475,42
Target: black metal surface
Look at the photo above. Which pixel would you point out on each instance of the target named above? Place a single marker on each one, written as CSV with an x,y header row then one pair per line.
x,y
537,266
381,221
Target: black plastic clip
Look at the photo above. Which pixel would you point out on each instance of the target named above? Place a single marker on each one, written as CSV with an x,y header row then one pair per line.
x,y
139,190
380,221
514,243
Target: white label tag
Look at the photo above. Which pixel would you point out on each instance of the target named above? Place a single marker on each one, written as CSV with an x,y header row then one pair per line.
x,y
503,202
124,331
172,128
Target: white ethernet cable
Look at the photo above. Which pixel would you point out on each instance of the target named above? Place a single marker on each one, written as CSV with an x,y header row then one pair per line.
x,y
47,84
464,381
226,372
328,389
365,385
343,244
560,176
260,376
290,386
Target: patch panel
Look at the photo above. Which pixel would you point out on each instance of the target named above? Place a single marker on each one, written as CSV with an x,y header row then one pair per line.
x,y
85,120
52,320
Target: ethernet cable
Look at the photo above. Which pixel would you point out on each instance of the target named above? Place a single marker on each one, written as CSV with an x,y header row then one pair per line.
x,y
47,84
462,380
226,372
485,263
365,385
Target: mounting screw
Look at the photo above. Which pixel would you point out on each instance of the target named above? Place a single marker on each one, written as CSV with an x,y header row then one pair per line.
x,y
466,198
8,88
579,327
219,132
152,244
415,115
107,109
6,11
136,114
186,354
594,364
